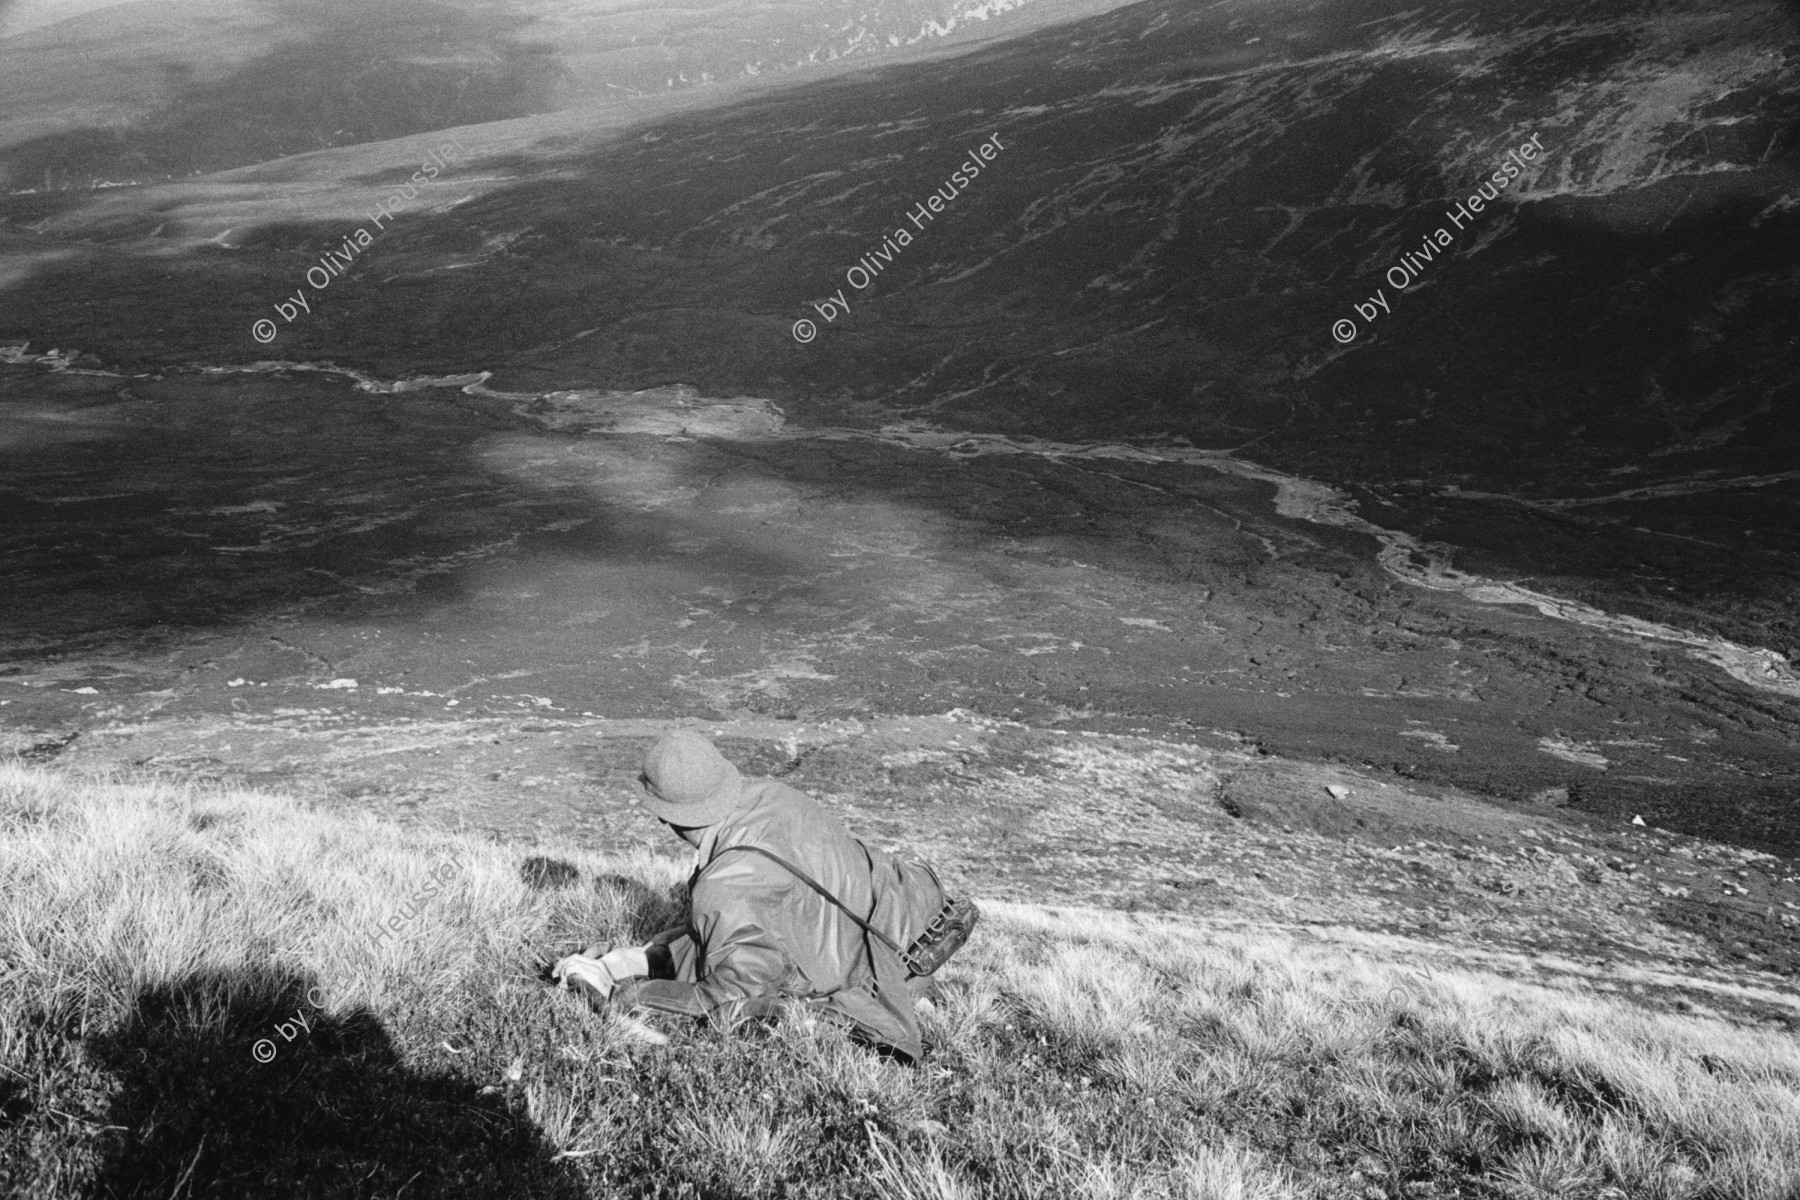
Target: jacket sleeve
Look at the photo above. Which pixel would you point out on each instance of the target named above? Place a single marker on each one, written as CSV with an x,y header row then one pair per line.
x,y
742,965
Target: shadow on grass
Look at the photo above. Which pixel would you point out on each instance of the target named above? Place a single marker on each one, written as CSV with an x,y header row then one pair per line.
x,y
543,874
645,911
334,1112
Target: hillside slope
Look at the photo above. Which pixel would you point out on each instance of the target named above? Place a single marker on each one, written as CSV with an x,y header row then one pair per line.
x,y
196,1002
547,458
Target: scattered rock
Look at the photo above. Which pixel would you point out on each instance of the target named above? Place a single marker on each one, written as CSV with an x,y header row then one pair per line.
x,y
1583,753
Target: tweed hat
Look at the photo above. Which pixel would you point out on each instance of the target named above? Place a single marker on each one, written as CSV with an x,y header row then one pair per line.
x,y
687,782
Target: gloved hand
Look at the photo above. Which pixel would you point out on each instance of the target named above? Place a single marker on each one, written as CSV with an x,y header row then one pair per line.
x,y
624,962
627,962
585,975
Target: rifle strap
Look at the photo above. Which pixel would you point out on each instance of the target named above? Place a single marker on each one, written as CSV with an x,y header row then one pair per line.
x,y
820,888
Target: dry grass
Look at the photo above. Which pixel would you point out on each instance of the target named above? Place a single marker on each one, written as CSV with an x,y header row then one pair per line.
x,y
153,935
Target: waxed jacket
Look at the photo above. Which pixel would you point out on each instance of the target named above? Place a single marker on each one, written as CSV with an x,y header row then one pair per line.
x,y
762,936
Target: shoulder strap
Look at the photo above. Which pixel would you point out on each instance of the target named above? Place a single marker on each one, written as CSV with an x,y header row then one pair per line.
x,y
818,887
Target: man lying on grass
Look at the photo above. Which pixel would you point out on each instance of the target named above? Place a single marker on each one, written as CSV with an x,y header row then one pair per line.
x,y
787,907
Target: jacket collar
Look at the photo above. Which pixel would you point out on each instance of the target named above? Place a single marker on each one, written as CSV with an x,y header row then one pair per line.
x,y
704,851
709,840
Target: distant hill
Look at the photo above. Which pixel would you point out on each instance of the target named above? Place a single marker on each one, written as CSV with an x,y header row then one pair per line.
x,y
152,90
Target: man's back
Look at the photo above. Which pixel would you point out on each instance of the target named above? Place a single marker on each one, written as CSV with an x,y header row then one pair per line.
x,y
761,933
